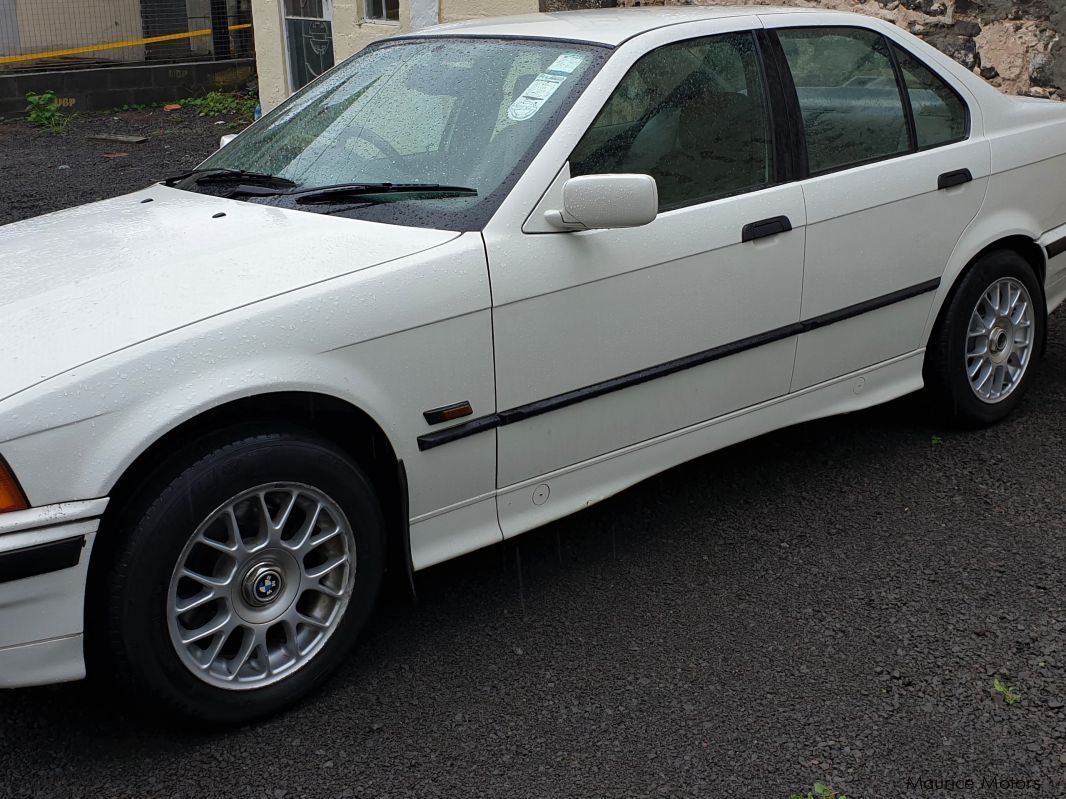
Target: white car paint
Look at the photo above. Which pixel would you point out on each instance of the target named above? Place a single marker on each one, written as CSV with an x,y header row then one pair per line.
x,y
123,319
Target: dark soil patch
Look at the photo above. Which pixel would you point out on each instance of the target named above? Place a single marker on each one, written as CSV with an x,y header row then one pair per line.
x,y
44,171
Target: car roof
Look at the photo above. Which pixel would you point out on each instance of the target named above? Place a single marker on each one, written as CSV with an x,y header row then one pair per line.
x,y
610,26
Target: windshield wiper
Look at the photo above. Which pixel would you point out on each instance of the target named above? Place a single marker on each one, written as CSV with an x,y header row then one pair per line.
x,y
341,191
202,176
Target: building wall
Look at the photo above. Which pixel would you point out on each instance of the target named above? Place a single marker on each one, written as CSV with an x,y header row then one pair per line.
x,y
351,32
1017,45
269,51
45,25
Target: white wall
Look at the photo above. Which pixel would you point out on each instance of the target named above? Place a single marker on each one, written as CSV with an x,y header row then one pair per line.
x,y
351,33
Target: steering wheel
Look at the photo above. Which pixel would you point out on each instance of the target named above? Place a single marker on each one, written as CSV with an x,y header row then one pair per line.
x,y
379,143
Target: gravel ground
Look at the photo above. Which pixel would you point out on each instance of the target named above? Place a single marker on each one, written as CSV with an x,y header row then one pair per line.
x,y
831,602
45,172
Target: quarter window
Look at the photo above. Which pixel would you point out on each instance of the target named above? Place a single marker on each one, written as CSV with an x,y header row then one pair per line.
x,y
940,115
848,95
693,115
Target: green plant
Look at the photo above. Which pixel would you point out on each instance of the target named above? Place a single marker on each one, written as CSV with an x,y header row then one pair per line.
x,y
936,441
1010,695
216,103
819,791
45,111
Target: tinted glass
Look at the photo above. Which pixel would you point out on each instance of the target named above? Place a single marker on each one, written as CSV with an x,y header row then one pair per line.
x,y
693,115
939,113
460,112
852,110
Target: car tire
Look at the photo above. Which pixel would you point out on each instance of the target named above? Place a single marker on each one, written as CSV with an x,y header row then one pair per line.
x,y
985,346
247,523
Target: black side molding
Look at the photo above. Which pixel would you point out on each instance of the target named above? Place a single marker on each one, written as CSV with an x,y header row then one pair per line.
x,y
538,407
1056,248
765,228
41,559
950,180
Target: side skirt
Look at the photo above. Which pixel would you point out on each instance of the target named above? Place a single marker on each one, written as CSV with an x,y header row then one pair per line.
x,y
581,485
444,535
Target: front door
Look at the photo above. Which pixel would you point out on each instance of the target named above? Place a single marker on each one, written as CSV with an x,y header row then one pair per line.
x,y
608,338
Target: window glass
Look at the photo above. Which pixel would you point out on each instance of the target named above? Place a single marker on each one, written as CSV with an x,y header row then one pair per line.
x,y
310,9
386,10
693,115
939,113
851,105
466,112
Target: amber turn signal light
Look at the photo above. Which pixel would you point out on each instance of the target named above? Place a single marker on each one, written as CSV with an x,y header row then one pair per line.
x,y
11,496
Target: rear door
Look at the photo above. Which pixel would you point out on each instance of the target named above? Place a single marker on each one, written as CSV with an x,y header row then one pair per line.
x,y
895,177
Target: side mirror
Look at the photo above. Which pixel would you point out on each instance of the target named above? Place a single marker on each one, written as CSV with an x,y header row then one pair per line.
x,y
597,202
226,140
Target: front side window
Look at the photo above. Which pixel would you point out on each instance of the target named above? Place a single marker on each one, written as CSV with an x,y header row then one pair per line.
x,y
848,95
382,10
940,115
693,115
450,112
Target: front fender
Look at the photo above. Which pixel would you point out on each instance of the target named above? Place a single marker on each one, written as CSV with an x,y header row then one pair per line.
x,y
392,340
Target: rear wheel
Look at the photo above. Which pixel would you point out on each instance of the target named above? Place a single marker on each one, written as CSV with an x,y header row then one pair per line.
x,y
985,347
245,577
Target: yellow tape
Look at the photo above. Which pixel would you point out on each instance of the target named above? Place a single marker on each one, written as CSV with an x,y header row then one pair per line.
x,y
95,48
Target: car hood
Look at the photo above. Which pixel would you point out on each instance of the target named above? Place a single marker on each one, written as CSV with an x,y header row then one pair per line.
x,y
81,284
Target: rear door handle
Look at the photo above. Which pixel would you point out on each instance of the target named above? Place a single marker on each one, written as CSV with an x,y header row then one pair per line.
x,y
950,180
766,228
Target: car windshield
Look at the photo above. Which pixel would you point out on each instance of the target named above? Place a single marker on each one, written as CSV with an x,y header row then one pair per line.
x,y
450,112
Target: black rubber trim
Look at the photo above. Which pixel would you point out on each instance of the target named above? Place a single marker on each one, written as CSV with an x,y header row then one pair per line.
x,y
765,228
405,521
539,407
446,436
506,37
950,180
780,136
1056,248
788,98
904,94
876,304
41,559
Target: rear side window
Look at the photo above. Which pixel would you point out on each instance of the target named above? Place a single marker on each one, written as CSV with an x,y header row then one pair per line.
x,y
693,115
940,115
851,104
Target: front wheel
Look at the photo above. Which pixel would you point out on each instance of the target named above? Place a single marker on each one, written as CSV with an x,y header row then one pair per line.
x,y
985,347
245,578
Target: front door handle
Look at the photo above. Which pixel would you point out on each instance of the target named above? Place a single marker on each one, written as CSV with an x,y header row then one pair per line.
x,y
950,180
766,228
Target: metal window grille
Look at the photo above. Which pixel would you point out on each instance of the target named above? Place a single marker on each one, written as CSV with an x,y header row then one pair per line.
x,y
60,34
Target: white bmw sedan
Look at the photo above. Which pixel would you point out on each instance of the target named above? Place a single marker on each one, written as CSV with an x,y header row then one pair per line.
x,y
473,280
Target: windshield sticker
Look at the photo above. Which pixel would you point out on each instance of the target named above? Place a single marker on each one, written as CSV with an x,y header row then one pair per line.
x,y
566,63
536,95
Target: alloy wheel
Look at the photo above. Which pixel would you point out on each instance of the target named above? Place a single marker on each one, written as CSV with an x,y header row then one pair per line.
x,y
261,586
999,341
